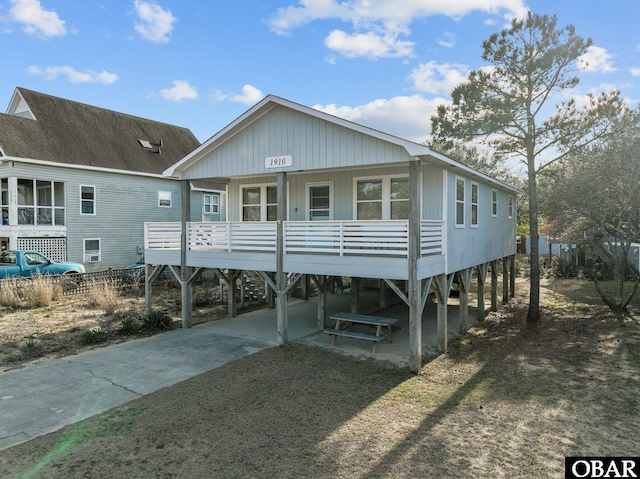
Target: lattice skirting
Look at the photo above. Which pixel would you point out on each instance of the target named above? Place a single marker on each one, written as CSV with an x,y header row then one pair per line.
x,y
53,248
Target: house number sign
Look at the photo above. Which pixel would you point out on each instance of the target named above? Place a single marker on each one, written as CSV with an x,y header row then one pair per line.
x,y
278,161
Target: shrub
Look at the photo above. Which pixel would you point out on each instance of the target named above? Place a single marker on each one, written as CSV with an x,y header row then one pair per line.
x,y
32,349
93,336
105,294
10,293
156,319
564,269
129,325
41,292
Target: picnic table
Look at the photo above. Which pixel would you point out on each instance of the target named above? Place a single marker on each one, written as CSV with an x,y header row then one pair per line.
x,y
345,322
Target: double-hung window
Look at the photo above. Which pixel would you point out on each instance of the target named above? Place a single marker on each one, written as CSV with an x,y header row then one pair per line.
x,y
494,203
259,203
460,202
211,204
87,200
319,200
382,198
474,205
510,207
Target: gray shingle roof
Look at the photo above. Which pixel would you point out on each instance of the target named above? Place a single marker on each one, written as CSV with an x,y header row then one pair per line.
x,y
73,133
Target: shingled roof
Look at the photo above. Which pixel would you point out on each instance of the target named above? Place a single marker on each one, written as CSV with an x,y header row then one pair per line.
x,y
64,131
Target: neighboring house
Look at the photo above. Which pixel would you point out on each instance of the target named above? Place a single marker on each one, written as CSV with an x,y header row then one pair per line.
x,y
313,194
78,182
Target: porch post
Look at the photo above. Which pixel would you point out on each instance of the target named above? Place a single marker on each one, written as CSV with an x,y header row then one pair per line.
x,y
512,281
494,285
232,278
465,284
506,267
442,284
383,294
415,283
482,275
322,284
148,269
355,294
185,271
281,276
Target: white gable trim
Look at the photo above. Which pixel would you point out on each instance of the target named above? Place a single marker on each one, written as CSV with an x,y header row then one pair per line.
x,y
19,107
261,108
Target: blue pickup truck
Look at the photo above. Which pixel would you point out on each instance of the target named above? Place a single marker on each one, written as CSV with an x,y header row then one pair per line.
x,y
29,263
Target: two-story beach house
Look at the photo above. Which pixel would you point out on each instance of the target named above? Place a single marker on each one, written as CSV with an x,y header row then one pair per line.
x,y
77,182
313,194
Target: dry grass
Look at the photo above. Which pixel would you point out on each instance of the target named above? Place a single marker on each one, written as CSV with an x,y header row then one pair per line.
x,y
105,294
35,292
41,292
507,400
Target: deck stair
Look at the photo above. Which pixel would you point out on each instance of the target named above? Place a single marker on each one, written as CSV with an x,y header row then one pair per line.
x,y
254,287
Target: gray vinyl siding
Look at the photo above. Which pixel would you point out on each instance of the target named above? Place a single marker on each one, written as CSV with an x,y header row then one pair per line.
x,y
197,207
494,237
123,204
342,189
314,144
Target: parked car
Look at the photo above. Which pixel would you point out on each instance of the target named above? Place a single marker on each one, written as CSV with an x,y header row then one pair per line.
x,y
29,263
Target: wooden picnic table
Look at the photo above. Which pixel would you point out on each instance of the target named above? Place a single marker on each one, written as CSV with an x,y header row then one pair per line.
x,y
349,319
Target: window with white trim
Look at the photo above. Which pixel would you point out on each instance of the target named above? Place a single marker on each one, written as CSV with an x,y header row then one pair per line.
x,y
494,203
87,200
164,199
259,202
91,250
382,198
319,201
474,205
211,205
459,202
510,207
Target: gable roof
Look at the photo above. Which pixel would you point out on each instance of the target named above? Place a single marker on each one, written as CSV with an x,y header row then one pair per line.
x,y
47,128
271,101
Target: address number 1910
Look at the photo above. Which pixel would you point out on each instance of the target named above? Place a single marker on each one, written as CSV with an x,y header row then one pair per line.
x,y
278,161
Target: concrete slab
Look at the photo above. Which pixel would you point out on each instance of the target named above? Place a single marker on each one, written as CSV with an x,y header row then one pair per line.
x,y
42,398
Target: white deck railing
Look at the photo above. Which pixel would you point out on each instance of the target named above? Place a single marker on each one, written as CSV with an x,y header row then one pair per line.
x,y
347,237
431,237
373,238
232,236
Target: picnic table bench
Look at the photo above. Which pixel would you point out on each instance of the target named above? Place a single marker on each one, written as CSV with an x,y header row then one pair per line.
x,y
349,319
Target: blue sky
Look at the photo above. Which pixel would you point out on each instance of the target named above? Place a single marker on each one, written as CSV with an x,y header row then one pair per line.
x,y
200,64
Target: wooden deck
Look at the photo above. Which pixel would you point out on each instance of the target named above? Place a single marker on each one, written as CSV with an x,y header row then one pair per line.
x,y
339,248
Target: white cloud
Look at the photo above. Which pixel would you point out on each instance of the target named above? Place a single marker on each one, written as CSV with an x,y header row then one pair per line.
x,y
407,117
447,40
635,71
437,78
36,20
371,44
88,76
155,24
597,59
377,24
181,90
249,96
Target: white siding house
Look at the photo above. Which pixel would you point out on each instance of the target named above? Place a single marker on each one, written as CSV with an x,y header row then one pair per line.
x,y
312,194
78,182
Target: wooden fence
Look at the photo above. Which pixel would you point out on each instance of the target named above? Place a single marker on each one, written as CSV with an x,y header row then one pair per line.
x,y
73,284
